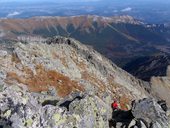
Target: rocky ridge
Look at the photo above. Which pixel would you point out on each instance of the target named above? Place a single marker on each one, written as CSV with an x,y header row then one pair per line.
x,y
61,83
66,60
14,27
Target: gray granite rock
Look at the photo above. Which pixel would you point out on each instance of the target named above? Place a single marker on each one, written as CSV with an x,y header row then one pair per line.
x,y
151,112
32,94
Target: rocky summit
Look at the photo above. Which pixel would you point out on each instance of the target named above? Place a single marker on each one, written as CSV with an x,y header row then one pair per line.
x,y
60,83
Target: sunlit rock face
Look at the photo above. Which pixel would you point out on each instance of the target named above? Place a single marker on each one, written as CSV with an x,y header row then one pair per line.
x,y
68,66
58,82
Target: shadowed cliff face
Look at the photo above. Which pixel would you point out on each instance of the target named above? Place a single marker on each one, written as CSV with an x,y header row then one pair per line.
x,y
146,67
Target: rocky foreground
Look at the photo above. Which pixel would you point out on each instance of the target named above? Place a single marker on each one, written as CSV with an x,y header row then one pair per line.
x,y
60,83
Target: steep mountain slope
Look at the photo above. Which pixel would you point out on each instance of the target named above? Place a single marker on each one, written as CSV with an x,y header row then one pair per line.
x,y
119,38
148,66
58,82
65,60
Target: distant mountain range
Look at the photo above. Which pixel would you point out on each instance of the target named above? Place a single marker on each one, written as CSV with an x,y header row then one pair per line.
x,y
120,38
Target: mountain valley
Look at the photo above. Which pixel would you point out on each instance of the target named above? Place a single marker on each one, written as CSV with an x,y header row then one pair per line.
x,y
121,38
84,64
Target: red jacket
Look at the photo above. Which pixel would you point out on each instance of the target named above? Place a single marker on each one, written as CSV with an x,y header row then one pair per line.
x,y
115,105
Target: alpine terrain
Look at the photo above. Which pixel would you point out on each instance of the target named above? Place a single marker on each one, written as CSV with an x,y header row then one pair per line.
x,y
119,38
60,83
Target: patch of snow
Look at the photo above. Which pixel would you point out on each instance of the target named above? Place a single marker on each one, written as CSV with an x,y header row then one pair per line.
x,y
126,9
15,13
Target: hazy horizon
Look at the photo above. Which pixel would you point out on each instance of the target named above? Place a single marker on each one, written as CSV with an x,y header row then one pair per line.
x,y
151,11
62,1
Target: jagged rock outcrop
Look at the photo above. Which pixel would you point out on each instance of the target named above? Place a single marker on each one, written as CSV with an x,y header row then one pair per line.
x,y
59,82
150,113
22,109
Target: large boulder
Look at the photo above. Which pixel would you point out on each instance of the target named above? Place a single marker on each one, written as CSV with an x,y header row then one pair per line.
x,y
94,112
150,113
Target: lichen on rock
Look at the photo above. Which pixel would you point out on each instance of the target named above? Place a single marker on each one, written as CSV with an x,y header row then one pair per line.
x,y
61,83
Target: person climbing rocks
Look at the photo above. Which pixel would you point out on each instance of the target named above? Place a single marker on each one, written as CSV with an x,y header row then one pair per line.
x,y
120,116
115,105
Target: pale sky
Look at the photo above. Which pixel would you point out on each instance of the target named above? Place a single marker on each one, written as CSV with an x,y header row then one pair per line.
x,y
63,1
